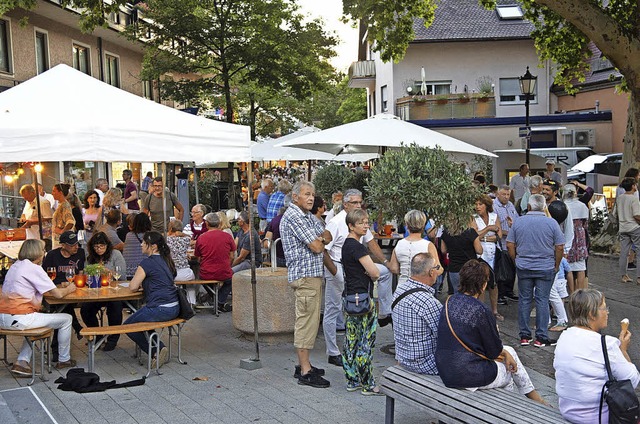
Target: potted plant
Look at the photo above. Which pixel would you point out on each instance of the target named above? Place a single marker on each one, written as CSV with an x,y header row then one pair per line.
x,y
93,272
485,88
463,98
442,99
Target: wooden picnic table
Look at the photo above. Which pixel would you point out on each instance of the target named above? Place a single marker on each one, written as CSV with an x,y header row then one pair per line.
x,y
10,249
103,294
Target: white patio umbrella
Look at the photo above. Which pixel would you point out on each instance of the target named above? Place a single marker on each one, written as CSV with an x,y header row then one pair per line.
x,y
269,150
423,86
382,130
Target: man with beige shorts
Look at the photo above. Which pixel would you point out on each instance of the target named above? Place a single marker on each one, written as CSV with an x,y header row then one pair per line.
x,y
304,240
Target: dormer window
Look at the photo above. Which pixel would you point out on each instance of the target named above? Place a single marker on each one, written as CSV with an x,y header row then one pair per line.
x,y
509,12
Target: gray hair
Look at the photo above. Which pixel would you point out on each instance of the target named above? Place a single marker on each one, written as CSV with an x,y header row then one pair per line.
x,y
202,207
297,188
422,263
212,219
284,186
27,188
287,200
504,187
101,181
31,249
265,182
352,192
537,202
569,191
535,181
244,215
583,305
415,220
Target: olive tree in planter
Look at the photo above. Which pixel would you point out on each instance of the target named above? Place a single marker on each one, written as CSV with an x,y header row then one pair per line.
x,y
331,178
426,179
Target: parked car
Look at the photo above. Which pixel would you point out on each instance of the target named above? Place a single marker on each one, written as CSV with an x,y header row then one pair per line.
x,y
608,164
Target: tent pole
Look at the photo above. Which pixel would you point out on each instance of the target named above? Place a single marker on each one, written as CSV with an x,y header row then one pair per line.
x,y
35,178
252,363
164,202
195,182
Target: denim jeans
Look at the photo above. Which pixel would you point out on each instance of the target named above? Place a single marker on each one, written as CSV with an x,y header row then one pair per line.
x,y
626,241
147,314
542,282
454,281
332,308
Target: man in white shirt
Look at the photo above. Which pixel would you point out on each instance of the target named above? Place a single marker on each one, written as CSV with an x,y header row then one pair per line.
x,y
519,184
30,213
335,278
102,186
53,202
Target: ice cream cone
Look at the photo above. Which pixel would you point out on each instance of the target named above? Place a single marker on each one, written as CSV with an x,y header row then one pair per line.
x,y
624,325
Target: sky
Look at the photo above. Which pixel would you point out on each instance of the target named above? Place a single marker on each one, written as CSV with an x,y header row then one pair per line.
x,y
331,11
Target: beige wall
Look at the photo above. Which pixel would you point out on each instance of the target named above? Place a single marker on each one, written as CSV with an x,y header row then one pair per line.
x,y
609,100
61,38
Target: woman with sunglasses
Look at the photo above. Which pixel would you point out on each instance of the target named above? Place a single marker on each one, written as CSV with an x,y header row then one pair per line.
x,y
101,251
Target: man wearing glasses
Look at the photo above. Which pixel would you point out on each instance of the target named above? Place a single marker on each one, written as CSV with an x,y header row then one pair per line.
x,y
152,206
416,313
351,200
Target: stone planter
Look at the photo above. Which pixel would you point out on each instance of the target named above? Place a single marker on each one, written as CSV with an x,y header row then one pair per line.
x,y
275,302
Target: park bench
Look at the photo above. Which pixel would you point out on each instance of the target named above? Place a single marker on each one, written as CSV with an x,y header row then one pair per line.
x,y
39,339
97,335
494,406
211,286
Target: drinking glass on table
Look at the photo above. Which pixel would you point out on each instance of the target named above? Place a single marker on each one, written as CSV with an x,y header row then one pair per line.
x,y
70,274
10,234
51,272
117,273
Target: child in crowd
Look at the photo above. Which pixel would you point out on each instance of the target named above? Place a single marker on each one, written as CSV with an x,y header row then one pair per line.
x,y
559,292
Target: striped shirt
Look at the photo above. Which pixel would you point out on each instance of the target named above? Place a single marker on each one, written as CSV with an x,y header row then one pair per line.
x,y
298,229
276,201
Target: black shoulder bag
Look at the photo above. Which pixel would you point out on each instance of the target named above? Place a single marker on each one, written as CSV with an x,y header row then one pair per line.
x,y
619,395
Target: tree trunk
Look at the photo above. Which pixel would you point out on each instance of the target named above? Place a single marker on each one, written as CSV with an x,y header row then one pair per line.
x,y
631,153
253,112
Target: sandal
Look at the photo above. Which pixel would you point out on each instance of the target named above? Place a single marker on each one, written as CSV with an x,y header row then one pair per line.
x,y
498,317
626,279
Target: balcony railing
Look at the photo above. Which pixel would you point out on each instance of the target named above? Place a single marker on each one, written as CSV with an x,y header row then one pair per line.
x,y
362,73
452,106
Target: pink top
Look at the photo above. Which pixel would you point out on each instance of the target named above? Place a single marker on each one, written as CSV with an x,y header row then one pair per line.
x,y
28,281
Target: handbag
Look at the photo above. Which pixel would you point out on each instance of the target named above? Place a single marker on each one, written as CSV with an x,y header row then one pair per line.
x,y
504,268
619,395
186,311
357,304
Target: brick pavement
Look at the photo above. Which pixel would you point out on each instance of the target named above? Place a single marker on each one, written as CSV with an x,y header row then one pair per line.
x,y
214,349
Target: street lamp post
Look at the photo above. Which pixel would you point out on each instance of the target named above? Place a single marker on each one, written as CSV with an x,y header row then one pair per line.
x,y
527,87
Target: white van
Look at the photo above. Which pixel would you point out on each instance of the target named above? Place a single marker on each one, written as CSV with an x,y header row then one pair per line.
x,y
567,156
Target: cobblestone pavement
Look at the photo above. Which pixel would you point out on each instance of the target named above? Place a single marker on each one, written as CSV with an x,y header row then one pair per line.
x,y
213,349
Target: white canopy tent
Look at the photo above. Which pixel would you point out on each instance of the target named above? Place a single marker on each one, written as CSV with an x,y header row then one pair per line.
x,y
64,114
271,150
382,130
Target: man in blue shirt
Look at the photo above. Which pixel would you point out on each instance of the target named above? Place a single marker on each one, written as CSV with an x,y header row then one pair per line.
x,y
416,316
536,244
263,201
276,201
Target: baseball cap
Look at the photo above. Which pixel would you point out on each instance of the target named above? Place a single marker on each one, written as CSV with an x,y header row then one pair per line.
x,y
69,237
550,162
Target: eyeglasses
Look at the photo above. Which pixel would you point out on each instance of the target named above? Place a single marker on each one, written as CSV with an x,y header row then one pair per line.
x,y
99,246
606,309
355,202
195,212
437,268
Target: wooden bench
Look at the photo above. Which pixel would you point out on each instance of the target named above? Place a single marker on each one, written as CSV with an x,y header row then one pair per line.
x,y
211,286
494,406
148,328
39,338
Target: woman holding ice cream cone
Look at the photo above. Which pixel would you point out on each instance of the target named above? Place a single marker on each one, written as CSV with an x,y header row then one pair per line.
x,y
579,359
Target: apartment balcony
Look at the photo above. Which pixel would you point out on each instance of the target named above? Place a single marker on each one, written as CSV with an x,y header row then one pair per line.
x,y
448,106
362,74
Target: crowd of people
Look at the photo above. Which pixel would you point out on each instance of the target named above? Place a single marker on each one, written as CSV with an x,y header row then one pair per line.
x,y
343,281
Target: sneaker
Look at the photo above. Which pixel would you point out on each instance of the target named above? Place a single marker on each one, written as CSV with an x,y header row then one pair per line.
x,y
383,322
375,391
204,305
525,341
502,300
631,265
560,326
313,380
352,387
68,364
335,360
21,371
297,373
161,359
225,307
512,297
545,342
340,331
